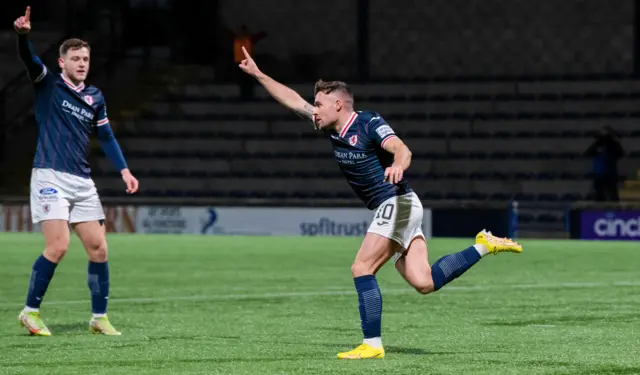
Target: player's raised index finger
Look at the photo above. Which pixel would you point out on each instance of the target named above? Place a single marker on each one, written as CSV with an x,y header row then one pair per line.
x,y
27,14
246,54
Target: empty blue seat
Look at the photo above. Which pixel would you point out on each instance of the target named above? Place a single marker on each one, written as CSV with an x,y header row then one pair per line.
x,y
500,196
525,218
526,197
478,176
548,218
431,195
455,196
570,197
548,197
477,196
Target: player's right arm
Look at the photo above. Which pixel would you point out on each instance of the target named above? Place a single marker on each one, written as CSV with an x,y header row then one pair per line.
x,y
283,94
35,68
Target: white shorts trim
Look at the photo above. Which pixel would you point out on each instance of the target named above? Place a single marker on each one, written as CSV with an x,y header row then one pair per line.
x,y
62,196
399,219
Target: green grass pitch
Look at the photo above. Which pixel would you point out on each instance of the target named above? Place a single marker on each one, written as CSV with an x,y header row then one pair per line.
x,y
249,305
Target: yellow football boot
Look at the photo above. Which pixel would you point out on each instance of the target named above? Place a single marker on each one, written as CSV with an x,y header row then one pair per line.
x,y
496,244
103,326
33,322
363,351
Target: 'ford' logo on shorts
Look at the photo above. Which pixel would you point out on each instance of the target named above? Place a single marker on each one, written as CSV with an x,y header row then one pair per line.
x,y
48,191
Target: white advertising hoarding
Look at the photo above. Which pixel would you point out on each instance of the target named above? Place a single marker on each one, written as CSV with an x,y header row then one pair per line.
x,y
268,221
258,221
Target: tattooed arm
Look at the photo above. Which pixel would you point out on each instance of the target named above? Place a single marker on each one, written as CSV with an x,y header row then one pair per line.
x,y
286,96
283,94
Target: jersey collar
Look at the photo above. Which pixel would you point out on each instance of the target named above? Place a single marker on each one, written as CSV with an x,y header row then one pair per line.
x,y
73,87
350,122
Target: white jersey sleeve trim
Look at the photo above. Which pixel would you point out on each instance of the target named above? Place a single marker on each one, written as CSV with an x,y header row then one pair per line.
x,y
42,75
102,122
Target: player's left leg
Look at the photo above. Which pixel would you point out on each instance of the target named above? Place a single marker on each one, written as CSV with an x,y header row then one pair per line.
x,y
87,219
414,267
374,252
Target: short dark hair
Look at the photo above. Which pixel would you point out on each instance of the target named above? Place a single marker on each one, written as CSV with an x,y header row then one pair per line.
x,y
73,44
328,87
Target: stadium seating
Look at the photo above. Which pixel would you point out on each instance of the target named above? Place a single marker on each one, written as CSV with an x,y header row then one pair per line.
x,y
470,141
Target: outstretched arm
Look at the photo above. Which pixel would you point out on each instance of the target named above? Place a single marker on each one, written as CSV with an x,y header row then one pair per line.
x,y
283,94
35,68
286,96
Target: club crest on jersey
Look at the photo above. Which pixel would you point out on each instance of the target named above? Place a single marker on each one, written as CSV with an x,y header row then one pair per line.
x,y
353,140
46,208
88,99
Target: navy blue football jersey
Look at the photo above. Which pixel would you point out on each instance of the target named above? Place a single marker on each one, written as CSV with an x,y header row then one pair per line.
x,y
358,149
66,116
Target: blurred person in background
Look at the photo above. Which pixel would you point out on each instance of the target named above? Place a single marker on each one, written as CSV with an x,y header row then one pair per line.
x,y
605,153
